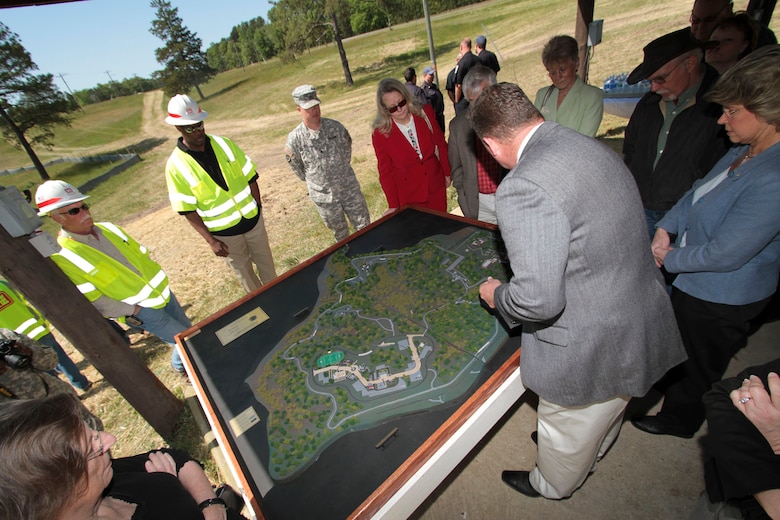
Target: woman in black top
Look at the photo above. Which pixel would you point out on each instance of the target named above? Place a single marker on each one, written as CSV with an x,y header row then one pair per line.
x,y
55,465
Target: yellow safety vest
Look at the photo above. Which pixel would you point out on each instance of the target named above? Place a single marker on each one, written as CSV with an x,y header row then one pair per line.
x,y
97,274
16,315
190,188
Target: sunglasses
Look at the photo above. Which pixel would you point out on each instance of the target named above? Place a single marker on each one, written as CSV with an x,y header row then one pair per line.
x,y
393,109
190,129
661,79
74,211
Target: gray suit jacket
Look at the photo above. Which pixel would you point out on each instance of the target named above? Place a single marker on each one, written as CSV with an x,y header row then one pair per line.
x,y
596,320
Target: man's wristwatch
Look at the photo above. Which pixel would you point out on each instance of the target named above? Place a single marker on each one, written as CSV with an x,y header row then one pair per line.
x,y
212,502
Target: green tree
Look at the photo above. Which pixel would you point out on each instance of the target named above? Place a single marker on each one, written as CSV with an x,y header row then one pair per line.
x,y
366,16
185,64
30,104
249,42
305,23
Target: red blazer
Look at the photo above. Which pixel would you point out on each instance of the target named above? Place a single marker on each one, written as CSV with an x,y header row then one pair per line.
x,y
407,179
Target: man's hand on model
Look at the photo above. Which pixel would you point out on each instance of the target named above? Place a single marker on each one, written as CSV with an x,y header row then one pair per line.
x,y
487,291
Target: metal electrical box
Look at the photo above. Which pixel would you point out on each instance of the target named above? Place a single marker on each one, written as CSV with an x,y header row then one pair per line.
x,y
594,32
16,214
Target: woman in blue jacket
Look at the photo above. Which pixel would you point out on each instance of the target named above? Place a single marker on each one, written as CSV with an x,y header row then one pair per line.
x,y
727,248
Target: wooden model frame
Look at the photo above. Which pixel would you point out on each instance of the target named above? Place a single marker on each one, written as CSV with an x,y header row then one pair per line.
x,y
216,375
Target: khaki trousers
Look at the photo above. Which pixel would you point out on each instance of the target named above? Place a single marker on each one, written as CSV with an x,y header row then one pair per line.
x,y
248,248
571,441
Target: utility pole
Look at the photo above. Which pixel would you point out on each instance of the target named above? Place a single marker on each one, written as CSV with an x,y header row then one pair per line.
x,y
581,28
111,82
62,77
431,48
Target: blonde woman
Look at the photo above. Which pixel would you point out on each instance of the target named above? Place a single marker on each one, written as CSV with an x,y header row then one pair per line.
x,y
410,150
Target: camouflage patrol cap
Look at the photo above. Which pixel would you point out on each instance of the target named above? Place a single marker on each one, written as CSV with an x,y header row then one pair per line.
x,y
305,96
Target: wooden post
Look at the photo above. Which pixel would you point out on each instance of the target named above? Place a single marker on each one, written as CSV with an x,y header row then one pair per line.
x,y
584,17
55,296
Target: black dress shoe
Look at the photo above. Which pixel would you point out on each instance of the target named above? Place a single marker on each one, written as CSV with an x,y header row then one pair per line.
x,y
518,480
662,425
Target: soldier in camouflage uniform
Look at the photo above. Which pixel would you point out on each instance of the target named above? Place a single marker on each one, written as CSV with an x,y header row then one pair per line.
x,y
35,379
319,152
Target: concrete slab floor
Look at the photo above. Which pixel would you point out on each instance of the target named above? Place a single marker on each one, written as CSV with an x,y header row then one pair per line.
x,y
642,477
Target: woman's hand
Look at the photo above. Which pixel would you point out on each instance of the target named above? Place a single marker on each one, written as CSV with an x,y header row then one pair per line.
x,y
660,246
762,408
160,462
447,181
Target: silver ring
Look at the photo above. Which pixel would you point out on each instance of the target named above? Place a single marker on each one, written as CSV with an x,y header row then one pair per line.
x,y
745,400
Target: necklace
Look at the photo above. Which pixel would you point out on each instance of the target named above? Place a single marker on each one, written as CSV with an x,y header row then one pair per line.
x,y
740,161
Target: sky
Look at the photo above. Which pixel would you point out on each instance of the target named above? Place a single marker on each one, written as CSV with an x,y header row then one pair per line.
x,y
93,41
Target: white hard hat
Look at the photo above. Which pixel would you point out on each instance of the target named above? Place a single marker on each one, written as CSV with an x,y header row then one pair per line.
x,y
56,194
183,110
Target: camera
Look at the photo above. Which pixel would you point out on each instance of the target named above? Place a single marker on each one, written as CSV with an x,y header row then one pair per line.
x,y
15,356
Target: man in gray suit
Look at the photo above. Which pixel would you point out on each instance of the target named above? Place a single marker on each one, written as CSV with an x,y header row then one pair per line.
x,y
475,173
597,324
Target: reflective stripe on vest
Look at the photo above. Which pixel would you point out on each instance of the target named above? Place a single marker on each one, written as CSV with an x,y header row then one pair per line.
x,y
153,293
17,315
33,328
229,211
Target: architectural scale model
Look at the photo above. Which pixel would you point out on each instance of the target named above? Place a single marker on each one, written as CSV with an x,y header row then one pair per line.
x,y
392,333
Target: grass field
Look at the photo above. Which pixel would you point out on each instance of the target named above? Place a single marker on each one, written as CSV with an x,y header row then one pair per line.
x,y
253,106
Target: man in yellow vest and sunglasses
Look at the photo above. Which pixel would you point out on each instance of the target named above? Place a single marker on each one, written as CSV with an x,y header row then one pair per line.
x,y
213,183
110,268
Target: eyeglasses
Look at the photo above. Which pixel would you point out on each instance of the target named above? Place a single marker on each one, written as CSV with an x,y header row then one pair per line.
x,y
393,109
728,113
93,454
74,211
96,437
192,128
661,79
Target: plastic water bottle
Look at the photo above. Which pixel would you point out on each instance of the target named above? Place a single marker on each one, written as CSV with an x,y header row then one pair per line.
x,y
609,83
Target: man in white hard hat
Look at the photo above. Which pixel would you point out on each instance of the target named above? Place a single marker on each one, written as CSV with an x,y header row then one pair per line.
x,y
110,268
213,183
319,151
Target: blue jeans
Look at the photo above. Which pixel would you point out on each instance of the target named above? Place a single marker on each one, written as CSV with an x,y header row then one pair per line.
x,y
653,217
65,365
165,323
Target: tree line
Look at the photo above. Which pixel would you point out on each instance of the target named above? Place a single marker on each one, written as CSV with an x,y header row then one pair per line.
x,y
295,26
31,106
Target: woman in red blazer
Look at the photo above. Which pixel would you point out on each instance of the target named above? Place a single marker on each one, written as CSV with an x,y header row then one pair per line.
x,y
411,152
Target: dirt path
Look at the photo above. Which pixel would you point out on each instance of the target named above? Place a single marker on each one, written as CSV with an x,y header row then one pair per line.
x,y
152,117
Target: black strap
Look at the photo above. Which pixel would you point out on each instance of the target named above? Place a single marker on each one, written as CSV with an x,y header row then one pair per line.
x,y
211,502
547,96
